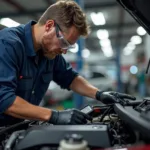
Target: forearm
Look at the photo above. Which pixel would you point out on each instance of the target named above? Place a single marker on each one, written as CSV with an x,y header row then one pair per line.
x,y
22,109
83,87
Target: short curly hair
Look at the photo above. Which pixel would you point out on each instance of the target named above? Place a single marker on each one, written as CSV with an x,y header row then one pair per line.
x,y
67,13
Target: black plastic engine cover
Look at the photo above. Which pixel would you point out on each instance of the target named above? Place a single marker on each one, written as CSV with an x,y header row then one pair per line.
x,y
95,135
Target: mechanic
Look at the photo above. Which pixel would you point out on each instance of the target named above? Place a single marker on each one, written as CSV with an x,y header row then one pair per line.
x,y
30,57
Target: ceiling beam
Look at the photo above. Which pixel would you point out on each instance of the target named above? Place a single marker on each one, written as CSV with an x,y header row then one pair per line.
x,y
100,5
96,46
22,13
15,5
35,11
31,12
115,26
124,36
19,8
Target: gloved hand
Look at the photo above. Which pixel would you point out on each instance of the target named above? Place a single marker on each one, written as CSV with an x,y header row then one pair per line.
x,y
111,97
70,116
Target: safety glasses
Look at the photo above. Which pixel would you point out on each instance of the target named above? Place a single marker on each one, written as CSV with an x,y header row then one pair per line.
x,y
64,44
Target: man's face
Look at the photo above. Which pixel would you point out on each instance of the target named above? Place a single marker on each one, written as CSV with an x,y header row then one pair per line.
x,y
55,41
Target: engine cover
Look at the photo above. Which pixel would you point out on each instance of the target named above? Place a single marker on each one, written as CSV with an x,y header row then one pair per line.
x,y
95,135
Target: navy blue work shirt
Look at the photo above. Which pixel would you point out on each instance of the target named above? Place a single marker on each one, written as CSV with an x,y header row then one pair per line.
x,y
20,75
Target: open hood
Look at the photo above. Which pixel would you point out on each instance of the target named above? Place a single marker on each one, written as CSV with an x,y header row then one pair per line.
x,y
139,10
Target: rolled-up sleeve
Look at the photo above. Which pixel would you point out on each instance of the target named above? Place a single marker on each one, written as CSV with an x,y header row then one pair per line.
x,y
64,74
8,75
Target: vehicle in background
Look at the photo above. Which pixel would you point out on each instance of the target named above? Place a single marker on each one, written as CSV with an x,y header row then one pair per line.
x,y
99,79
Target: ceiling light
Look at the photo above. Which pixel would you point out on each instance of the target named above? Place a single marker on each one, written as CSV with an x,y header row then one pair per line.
x,y
136,39
105,43
8,22
108,52
133,69
98,18
102,34
131,46
85,53
106,49
74,50
141,31
127,51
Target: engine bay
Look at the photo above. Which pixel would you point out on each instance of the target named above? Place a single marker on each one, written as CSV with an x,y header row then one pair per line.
x,y
118,125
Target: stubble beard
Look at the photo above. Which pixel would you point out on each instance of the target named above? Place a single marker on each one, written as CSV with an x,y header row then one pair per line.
x,y
47,53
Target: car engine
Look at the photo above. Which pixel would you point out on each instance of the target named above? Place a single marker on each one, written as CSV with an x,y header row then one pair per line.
x,y
119,125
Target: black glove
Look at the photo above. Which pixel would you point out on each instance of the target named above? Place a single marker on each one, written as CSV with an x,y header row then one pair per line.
x,y
70,116
111,97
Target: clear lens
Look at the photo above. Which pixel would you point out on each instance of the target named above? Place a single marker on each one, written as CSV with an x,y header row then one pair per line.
x,y
64,44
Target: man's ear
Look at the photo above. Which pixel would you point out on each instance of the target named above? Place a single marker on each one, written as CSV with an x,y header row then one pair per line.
x,y
49,25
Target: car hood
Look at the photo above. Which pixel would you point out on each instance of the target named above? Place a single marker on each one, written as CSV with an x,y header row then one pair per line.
x,y
139,10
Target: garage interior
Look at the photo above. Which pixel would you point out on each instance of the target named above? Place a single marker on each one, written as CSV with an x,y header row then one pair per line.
x,y
114,57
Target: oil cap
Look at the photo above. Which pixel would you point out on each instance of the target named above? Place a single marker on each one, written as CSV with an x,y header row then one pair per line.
x,y
73,138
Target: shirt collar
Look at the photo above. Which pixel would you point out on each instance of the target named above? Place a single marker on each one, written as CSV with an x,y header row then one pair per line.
x,y
29,39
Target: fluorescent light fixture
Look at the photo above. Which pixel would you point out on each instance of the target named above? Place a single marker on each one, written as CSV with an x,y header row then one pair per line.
x,y
85,53
105,43
8,22
76,49
136,39
133,69
108,54
108,51
127,51
102,34
131,46
98,18
106,47
141,31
